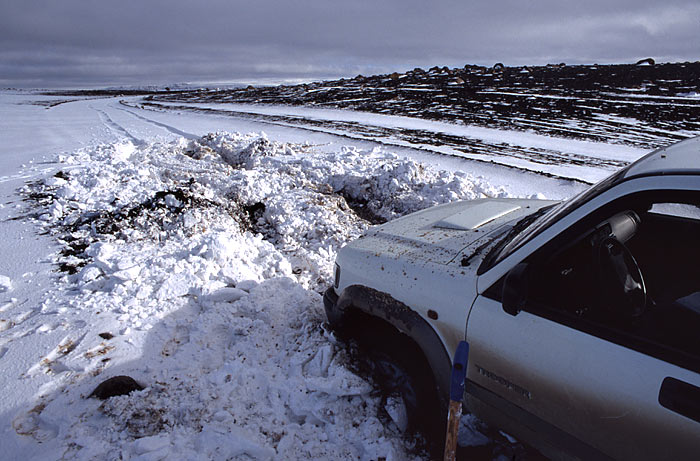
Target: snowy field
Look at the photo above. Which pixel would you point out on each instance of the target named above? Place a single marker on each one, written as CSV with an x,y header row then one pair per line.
x,y
189,250
580,160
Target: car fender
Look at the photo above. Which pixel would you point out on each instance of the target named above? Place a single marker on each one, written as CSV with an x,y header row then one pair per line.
x,y
383,306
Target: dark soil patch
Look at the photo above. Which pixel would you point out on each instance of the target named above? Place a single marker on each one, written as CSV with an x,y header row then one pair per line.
x,y
158,215
360,206
116,385
254,212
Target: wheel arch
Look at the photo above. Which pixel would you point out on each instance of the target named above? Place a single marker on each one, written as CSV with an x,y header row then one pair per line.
x,y
357,303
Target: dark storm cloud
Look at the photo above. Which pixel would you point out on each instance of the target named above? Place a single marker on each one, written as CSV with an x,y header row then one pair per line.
x,y
73,42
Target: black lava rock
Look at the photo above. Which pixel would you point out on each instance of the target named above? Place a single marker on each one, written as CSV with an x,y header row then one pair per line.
x,y
116,385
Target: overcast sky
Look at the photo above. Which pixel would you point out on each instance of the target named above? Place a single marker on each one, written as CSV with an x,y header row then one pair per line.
x,y
50,43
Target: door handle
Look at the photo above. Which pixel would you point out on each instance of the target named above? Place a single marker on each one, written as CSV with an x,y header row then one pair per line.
x,y
680,397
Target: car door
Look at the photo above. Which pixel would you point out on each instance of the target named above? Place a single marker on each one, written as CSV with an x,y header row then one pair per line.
x,y
593,384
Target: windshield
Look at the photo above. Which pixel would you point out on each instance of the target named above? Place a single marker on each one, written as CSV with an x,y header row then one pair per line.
x,y
533,224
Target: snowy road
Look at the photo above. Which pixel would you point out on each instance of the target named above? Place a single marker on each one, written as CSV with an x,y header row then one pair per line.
x,y
194,263
577,160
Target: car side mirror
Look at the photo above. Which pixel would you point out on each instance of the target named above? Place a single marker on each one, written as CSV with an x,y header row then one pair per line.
x,y
515,289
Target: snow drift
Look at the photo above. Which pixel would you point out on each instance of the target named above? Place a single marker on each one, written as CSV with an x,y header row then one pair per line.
x,y
196,268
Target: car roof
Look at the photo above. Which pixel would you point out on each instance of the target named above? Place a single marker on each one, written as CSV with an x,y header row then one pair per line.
x,y
679,158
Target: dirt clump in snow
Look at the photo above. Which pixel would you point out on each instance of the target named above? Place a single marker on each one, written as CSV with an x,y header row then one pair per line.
x,y
116,385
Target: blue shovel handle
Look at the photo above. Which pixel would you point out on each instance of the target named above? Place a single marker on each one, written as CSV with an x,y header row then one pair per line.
x,y
454,412
459,372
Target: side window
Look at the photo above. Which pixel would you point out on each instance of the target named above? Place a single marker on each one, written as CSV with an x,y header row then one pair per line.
x,y
629,273
680,210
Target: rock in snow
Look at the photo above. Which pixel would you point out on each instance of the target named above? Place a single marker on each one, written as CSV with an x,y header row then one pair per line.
x,y
116,385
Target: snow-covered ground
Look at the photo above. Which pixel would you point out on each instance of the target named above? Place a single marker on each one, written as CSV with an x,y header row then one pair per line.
x,y
188,251
583,160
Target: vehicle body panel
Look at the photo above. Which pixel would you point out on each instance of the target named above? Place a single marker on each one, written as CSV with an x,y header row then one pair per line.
x,y
419,264
599,392
679,158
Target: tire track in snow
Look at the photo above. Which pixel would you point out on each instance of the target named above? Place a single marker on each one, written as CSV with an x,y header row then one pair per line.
x,y
116,128
23,175
170,128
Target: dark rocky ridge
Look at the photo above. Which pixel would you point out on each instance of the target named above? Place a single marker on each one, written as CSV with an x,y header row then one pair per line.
x,y
642,105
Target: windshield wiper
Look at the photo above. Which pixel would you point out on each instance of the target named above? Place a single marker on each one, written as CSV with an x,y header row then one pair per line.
x,y
517,228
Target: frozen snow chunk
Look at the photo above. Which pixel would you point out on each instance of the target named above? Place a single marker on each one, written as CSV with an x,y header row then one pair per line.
x,y
226,295
172,202
283,266
67,191
129,273
89,273
5,284
217,248
56,210
469,435
222,416
55,181
246,285
101,252
340,382
123,151
175,286
230,442
396,408
239,154
318,365
8,304
144,291
190,219
152,443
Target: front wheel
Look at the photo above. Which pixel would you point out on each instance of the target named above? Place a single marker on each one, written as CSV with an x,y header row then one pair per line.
x,y
399,368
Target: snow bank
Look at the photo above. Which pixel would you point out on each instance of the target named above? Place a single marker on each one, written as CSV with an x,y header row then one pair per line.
x,y
197,266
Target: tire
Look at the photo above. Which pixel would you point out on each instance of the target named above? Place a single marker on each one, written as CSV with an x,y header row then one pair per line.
x,y
399,368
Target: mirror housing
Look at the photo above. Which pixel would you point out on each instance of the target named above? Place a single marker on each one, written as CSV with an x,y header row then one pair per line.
x,y
515,289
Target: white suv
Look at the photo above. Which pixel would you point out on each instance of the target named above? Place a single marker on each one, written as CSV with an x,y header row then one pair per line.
x,y
582,317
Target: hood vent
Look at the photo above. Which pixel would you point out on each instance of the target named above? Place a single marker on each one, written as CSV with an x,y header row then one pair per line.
x,y
477,215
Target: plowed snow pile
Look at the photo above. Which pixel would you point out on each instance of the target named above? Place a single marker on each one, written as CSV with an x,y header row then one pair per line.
x,y
195,268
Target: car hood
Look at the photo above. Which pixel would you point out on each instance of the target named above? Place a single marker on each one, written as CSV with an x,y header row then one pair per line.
x,y
427,260
440,234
